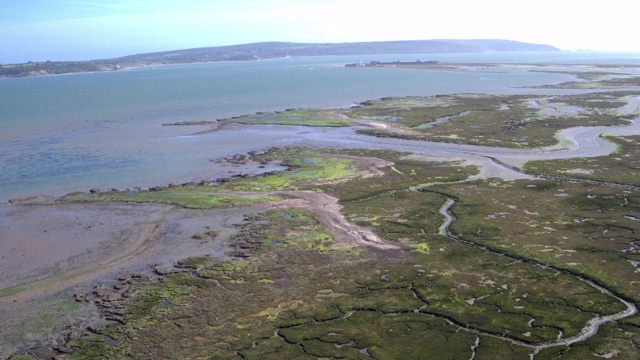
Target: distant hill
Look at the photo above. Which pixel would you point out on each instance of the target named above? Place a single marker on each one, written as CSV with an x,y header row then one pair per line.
x,y
268,50
500,45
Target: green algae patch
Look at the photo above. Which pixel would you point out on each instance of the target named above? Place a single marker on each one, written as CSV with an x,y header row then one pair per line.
x,y
303,171
408,102
23,357
296,228
227,270
422,248
150,306
302,122
158,299
195,262
89,348
196,198
45,317
297,117
291,216
205,201
316,240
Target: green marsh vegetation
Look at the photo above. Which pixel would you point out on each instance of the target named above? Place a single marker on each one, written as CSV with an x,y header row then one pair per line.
x,y
304,294
302,117
515,278
598,80
305,167
622,166
516,121
580,228
203,198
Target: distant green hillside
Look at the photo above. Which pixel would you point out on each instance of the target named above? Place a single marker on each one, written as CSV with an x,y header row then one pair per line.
x,y
268,50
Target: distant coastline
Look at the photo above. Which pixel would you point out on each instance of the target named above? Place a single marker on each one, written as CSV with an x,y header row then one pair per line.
x,y
263,51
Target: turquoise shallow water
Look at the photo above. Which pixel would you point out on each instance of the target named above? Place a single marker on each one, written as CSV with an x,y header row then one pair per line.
x,y
80,131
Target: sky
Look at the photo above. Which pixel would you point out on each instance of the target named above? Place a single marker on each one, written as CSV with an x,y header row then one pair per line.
x,y
40,30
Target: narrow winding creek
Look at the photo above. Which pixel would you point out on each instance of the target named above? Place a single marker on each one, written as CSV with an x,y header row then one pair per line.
x,y
590,328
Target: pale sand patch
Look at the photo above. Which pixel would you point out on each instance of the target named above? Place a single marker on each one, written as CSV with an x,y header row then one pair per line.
x,y
487,167
329,210
580,171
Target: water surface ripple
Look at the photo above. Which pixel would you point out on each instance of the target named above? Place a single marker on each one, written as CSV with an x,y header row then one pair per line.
x,y
101,130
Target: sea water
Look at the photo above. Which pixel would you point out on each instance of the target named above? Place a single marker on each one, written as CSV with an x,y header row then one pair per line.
x,y
101,130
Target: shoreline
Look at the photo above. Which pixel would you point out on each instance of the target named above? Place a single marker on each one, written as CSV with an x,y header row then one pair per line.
x,y
133,67
483,157
90,134
573,142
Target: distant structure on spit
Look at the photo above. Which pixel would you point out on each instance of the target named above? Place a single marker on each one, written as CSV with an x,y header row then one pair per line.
x,y
392,63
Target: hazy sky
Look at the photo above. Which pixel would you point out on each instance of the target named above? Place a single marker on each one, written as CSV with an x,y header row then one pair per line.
x,y
39,30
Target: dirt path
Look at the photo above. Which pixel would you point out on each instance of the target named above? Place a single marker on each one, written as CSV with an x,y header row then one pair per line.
x,y
383,126
328,209
327,206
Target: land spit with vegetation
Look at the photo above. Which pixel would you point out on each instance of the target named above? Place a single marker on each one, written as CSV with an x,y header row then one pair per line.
x,y
266,50
467,226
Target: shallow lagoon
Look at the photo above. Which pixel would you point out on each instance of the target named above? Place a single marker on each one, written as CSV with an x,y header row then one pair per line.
x,y
100,130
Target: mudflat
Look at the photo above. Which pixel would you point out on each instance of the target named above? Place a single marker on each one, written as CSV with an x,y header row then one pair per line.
x,y
46,241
